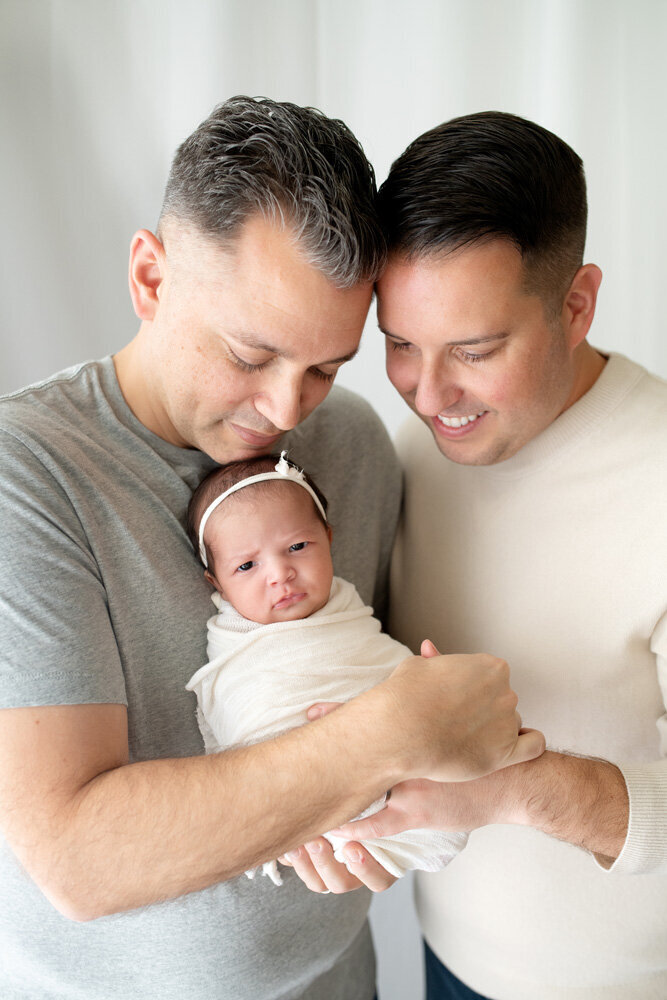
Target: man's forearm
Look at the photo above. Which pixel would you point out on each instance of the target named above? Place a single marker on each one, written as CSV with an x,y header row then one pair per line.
x,y
580,800
154,830
99,835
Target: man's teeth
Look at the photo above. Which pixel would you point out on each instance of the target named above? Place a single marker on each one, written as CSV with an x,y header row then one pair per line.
x,y
459,421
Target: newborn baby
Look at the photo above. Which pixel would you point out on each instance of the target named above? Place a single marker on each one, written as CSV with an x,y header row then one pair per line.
x,y
288,633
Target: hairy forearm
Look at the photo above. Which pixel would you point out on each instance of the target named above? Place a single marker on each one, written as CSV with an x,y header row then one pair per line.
x,y
100,835
579,800
149,831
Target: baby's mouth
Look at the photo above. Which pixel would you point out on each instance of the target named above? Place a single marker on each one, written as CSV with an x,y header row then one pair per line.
x,y
288,599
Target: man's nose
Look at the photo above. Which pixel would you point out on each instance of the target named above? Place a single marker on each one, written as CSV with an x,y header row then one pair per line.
x,y
436,390
280,402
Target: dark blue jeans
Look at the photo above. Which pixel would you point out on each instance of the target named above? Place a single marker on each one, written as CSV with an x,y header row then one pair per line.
x,y
441,984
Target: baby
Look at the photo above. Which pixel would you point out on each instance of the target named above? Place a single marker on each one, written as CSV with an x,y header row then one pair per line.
x,y
288,633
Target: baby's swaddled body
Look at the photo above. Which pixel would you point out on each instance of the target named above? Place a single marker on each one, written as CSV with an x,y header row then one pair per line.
x,y
261,679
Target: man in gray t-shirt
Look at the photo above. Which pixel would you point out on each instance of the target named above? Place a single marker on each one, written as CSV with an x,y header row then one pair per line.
x,y
121,841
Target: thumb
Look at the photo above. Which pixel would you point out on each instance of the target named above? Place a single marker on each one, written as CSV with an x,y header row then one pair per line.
x,y
529,745
322,708
428,649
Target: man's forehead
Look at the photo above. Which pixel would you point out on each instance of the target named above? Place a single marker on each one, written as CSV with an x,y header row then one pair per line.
x,y
474,295
466,257
483,271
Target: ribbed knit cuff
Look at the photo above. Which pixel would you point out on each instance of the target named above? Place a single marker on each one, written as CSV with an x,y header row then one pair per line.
x,y
645,848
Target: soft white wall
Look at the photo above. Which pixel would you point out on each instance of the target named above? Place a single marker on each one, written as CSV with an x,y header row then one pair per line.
x,y
94,97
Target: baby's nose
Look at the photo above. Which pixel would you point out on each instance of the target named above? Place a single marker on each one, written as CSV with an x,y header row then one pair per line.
x,y
281,571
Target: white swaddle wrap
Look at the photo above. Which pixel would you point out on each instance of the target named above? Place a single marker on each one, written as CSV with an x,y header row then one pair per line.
x,y
261,679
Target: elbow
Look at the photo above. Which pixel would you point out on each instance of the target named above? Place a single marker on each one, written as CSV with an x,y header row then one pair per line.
x,y
77,902
78,908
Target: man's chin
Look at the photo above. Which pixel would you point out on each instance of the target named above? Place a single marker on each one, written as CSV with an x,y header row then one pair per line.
x,y
467,448
228,446
258,441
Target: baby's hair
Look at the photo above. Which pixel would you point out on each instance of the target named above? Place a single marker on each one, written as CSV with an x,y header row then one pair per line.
x,y
224,477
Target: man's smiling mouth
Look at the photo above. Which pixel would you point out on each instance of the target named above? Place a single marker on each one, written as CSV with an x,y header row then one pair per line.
x,y
459,421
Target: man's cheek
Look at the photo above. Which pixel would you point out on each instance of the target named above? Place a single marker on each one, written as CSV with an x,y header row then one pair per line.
x,y
403,376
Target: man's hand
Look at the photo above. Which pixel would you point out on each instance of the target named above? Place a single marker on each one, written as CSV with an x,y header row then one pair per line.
x,y
575,799
454,717
316,866
421,804
413,805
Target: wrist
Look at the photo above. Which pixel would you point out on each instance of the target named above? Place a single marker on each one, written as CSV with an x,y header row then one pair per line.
x,y
511,794
393,740
581,800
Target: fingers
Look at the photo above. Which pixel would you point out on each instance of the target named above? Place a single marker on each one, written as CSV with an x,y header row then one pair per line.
x,y
317,868
333,874
381,824
428,649
529,745
366,868
363,829
300,861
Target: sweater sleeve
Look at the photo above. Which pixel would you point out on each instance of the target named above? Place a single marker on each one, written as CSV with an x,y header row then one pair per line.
x,y
645,848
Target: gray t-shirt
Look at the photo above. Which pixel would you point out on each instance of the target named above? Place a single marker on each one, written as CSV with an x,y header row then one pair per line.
x,y
102,600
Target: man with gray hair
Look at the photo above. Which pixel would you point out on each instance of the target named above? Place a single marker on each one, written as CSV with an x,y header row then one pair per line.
x,y
122,842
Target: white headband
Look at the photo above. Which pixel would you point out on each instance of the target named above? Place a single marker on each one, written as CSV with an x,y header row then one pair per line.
x,y
283,470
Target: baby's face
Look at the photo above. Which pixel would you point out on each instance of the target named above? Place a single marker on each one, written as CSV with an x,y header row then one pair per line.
x,y
271,553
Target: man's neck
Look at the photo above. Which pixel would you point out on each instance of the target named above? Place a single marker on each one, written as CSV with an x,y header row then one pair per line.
x,y
588,368
137,394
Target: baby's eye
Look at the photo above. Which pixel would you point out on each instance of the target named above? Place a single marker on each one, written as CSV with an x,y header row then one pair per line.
x,y
298,546
244,567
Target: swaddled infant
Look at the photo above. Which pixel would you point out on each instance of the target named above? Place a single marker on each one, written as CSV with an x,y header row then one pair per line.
x,y
288,633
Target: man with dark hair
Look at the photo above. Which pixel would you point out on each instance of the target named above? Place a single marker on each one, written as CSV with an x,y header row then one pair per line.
x,y
251,297
534,526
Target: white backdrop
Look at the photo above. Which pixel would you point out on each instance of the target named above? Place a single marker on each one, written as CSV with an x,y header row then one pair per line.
x,y
96,94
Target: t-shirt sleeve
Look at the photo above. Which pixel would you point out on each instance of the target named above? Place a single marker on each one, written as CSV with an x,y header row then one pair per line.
x,y
57,643
645,848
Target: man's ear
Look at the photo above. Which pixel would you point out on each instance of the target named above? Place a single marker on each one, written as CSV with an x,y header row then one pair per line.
x,y
147,260
579,304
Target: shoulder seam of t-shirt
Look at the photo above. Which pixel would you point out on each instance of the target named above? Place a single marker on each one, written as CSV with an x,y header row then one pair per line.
x,y
67,375
57,675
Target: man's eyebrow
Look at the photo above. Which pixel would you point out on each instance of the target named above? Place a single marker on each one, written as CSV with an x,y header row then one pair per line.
x,y
471,341
251,340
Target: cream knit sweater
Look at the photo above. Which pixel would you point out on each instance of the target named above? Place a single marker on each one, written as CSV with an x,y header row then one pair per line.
x,y
556,560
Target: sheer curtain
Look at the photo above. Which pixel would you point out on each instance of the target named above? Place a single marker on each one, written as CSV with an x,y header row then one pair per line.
x,y
94,97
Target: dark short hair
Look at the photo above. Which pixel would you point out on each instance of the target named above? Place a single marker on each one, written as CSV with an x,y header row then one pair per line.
x,y
291,164
228,475
490,176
